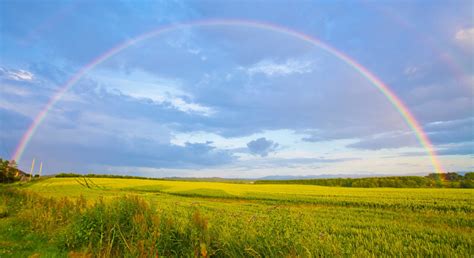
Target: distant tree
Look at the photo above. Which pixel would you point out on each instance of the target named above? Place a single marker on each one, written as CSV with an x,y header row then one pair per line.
x,y
451,176
468,180
447,177
434,176
469,176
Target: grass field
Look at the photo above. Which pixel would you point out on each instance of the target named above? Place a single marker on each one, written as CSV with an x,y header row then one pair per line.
x,y
133,217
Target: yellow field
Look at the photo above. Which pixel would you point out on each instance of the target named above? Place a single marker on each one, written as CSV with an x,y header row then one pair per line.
x,y
244,220
419,197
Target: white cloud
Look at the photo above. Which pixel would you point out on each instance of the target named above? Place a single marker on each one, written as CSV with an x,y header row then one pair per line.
x,y
465,37
465,34
272,68
16,75
142,85
175,102
188,107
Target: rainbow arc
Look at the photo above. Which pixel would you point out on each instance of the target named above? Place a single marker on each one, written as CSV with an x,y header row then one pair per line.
x,y
396,102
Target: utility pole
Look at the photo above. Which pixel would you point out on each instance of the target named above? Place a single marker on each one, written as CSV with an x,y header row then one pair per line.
x,y
41,168
32,168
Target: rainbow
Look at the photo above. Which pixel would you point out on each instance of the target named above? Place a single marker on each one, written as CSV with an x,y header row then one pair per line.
x,y
376,82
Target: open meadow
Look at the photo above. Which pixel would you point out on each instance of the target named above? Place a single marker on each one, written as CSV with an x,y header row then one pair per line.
x,y
145,218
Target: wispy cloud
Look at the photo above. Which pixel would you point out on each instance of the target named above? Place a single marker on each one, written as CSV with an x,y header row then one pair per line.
x,y
190,107
270,67
411,70
16,74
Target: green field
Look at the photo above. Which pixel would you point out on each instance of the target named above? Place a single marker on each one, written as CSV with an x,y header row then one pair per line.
x,y
144,218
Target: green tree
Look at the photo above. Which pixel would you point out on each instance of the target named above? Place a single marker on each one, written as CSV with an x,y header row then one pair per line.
x,y
451,176
8,171
469,176
4,170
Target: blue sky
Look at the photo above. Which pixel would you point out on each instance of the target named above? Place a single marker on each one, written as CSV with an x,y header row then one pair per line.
x,y
237,101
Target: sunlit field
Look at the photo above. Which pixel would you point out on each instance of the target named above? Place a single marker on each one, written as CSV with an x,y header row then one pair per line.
x,y
134,217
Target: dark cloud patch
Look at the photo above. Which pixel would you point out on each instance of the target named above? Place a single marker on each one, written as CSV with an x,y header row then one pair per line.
x,y
385,141
262,146
119,152
12,126
451,131
439,133
343,132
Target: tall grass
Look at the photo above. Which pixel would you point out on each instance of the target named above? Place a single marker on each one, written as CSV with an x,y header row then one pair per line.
x,y
151,224
126,226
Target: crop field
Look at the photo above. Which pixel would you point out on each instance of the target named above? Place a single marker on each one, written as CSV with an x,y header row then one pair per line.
x,y
147,218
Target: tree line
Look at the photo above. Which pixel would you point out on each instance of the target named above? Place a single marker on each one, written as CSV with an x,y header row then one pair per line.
x,y
105,176
434,180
